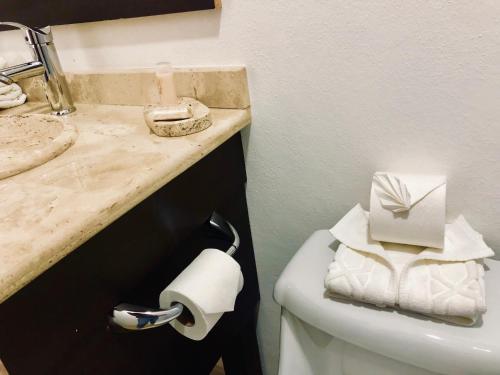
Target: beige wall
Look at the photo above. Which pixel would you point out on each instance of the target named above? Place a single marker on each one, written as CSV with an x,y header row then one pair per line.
x,y
339,90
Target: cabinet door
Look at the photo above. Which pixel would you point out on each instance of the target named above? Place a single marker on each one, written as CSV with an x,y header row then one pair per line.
x,y
58,324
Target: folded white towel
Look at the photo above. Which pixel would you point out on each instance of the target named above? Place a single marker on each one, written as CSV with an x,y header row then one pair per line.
x,y
10,95
446,283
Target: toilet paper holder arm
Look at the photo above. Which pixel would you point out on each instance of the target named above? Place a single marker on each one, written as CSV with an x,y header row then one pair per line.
x,y
136,318
226,231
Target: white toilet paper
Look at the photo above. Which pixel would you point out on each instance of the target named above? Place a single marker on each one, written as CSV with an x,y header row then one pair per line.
x,y
208,287
409,209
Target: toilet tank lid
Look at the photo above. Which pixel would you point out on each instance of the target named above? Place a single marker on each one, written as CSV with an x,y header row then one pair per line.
x,y
407,337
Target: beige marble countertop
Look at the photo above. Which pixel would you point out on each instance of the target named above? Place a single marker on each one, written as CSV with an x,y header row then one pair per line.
x,y
48,211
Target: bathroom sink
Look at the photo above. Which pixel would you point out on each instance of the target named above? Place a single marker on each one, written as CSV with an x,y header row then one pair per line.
x,y
29,140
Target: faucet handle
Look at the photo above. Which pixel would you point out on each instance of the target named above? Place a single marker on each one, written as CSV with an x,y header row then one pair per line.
x,y
34,35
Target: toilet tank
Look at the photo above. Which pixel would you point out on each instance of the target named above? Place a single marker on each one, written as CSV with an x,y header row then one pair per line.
x,y
306,350
324,336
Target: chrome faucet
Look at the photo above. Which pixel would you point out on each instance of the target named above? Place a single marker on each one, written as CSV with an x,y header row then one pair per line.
x,y
45,62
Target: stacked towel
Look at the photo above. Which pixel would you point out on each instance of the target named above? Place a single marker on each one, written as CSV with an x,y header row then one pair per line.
x,y
446,283
10,95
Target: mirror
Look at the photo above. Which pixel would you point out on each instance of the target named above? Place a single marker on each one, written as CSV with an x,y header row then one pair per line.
x,y
59,12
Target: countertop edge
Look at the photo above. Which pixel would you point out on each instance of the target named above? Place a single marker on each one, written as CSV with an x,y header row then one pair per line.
x,y
62,246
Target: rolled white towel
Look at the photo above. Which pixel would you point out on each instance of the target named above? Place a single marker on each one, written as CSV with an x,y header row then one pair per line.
x,y
10,95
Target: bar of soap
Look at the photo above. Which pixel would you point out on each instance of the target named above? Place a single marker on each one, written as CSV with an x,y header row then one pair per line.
x,y
172,113
199,120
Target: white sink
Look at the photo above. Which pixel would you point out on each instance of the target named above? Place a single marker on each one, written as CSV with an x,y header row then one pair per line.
x,y
29,140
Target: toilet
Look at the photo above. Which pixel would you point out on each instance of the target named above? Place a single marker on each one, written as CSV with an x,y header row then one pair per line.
x,y
321,336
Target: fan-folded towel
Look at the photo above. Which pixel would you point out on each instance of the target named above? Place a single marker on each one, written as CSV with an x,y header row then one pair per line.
x,y
408,209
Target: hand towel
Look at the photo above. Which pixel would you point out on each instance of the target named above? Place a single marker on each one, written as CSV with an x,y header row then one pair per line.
x,y
445,283
408,209
10,95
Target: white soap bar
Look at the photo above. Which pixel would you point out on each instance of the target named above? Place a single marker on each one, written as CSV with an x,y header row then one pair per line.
x,y
171,113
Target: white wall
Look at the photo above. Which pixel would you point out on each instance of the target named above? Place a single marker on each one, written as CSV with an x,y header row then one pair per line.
x,y
339,90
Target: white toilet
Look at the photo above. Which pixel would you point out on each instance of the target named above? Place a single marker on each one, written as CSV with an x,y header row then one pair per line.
x,y
321,336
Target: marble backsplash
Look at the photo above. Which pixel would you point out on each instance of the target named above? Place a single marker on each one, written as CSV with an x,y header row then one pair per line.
x,y
217,87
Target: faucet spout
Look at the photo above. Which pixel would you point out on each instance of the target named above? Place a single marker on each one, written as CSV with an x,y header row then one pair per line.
x,y
21,71
5,79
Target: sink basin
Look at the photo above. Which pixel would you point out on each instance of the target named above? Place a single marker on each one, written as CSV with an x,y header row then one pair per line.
x,y
27,141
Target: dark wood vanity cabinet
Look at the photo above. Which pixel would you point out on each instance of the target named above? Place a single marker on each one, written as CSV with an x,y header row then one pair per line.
x,y
58,324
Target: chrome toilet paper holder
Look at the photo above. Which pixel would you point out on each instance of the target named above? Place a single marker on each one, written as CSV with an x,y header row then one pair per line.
x,y
137,318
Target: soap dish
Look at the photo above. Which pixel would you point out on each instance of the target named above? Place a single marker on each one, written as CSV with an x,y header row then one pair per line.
x,y
199,121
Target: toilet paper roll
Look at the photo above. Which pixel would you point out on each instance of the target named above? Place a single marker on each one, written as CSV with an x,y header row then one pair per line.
x,y
208,288
408,209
